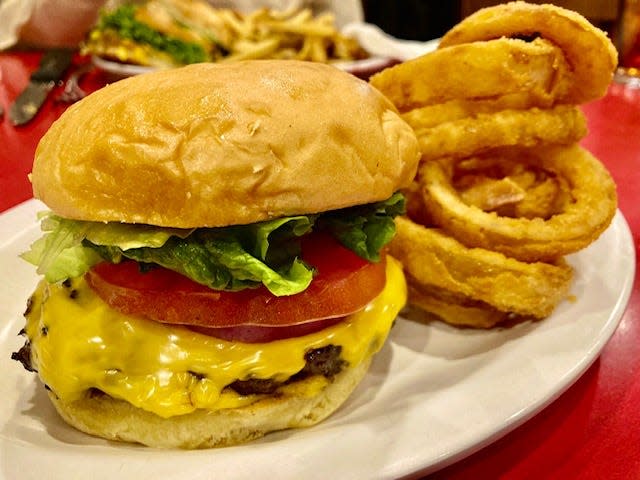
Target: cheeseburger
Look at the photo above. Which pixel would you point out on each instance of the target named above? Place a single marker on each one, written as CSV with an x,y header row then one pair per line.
x,y
213,259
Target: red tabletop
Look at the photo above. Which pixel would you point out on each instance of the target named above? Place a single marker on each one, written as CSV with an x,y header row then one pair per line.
x,y
593,429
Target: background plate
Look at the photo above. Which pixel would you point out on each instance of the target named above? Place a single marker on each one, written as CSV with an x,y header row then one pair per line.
x,y
363,67
119,69
433,395
384,49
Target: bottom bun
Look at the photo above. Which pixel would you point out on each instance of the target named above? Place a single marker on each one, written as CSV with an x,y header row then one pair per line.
x,y
114,419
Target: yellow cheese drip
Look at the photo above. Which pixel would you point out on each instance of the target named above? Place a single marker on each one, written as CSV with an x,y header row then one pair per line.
x,y
79,343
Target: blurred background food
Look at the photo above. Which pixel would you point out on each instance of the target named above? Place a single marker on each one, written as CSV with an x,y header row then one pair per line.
x,y
244,28
167,33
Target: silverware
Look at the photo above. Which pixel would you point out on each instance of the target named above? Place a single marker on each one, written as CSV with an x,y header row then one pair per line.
x,y
72,91
52,67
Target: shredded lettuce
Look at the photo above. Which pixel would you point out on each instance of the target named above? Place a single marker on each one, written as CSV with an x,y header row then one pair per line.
x,y
229,258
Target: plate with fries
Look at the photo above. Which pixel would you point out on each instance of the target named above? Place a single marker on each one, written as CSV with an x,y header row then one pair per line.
x,y
171,33
361,68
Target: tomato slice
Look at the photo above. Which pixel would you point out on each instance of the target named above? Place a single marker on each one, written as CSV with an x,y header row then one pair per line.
x,y
262,334
344,283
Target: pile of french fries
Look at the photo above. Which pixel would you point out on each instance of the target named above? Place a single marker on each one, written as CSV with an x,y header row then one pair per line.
x,y
127,34
292,34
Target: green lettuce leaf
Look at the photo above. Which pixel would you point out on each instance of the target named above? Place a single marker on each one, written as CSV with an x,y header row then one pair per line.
x,y
229,258
126,235
365,229
233,258
71,261
62,252
59,254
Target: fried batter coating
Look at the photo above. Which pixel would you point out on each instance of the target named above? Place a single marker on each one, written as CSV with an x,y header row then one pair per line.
x,y
434,260
482,70
562,124
587,49
593,205
503,191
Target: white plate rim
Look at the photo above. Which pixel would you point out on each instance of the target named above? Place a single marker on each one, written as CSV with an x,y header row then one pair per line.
x,y
119,69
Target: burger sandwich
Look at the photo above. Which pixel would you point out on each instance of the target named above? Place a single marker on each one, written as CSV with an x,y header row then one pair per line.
x,y
159,33
213,259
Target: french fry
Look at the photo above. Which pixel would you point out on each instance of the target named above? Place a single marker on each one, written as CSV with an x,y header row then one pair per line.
x,y
293,33
249,50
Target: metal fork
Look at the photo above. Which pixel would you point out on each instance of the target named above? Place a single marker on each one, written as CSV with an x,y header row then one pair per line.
x,y
72,91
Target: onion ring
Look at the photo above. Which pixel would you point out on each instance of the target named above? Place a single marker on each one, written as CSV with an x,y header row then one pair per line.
x,y
462,314
579,224
433,260
459,108
536,70
510,189
587,49
504,191
562,124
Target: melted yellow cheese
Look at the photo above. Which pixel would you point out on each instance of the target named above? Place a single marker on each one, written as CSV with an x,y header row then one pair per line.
x,y
79,343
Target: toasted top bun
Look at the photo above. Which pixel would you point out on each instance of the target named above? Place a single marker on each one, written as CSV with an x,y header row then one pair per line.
x,y
223,144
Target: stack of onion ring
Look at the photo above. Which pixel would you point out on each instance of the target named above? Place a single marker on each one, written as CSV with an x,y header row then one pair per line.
x,y
591,56
504,191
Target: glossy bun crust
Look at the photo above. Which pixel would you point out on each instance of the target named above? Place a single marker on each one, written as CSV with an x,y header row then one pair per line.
x,y
222,144
106,417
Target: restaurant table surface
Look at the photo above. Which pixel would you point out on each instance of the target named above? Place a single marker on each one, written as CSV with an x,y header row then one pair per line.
x,y
593,429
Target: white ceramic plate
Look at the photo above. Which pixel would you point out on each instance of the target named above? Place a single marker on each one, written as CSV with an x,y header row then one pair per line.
x,y
118,69
433,395
363,67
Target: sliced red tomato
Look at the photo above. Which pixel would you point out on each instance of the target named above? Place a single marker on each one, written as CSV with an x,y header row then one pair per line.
x,y
261,334
344,284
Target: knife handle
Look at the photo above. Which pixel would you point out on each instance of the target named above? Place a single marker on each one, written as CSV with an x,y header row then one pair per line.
x,y
53,65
